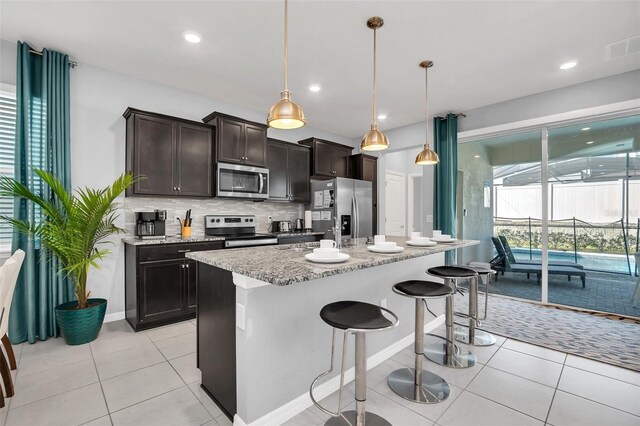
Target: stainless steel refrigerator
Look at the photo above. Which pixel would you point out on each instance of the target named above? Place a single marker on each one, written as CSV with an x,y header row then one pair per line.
x,y
348,200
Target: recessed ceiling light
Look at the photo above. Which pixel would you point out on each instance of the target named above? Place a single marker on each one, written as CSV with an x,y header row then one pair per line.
x,y
192,37
590,142
315,88
600,165
382,116
585,129
568,65
476,156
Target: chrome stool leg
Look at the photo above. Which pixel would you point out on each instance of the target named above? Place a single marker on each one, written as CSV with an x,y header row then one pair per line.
x,y
359,417
447,353
470,334
416,384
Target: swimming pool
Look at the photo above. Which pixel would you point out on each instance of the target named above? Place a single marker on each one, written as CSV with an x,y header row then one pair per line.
x,y
592,261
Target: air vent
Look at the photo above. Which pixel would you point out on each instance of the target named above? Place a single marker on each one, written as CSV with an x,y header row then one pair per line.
x,y
623,48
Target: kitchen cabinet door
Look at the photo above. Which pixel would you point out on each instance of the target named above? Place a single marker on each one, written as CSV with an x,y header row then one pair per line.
x,y
153,151
340,158
195,161
191,285
230,141
322,158
277,154
255,145
299,173
161,290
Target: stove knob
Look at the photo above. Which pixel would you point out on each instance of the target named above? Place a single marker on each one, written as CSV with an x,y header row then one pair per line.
x,y
250,220
217,220
246,220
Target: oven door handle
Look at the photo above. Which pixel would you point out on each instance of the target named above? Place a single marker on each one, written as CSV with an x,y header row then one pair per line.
x,y
250,243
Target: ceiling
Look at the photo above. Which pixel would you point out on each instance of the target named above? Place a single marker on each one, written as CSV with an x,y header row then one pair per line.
x,y
484,51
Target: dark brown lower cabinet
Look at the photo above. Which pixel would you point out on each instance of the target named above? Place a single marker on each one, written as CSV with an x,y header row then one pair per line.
x,y
161,284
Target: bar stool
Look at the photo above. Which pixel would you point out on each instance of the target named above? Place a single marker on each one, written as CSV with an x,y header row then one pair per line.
x,y
447,353
357,318
416,384
470,334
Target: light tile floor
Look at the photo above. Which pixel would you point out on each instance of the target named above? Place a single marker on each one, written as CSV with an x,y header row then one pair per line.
x,y
149,378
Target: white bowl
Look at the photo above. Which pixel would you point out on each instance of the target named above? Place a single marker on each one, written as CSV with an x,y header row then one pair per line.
x,y
385,245
326,253
421,240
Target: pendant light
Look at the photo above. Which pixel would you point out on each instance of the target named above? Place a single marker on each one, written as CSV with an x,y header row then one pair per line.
x,y
374,140
426,156
286,114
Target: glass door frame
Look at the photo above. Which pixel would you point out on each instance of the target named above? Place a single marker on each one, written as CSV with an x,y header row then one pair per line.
x,y
543,125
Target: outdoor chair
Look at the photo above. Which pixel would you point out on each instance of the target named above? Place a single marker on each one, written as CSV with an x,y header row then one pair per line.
x,y
512,258
529,269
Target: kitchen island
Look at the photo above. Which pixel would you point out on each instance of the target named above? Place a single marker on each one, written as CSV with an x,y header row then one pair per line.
x,y
260,338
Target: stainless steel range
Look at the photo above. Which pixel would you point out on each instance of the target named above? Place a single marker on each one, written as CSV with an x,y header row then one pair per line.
x,y
238,231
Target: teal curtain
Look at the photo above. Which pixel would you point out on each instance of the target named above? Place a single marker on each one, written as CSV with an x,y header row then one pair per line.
x,y
445,177
42,141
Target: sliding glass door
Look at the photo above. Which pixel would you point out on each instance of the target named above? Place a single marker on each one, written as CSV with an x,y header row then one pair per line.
x,y
594,178
575,187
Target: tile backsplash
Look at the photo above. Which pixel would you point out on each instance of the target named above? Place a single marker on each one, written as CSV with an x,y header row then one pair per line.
x,y
177,207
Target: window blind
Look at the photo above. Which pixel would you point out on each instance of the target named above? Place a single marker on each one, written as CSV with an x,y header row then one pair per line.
x,y
7,154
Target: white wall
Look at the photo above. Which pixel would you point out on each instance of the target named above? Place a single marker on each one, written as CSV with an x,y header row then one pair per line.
x,y
98,99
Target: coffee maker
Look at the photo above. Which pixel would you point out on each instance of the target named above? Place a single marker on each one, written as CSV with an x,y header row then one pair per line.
x,y
150,225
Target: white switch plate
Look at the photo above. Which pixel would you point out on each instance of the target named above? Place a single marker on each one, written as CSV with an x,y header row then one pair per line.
x,y
429,218
240,317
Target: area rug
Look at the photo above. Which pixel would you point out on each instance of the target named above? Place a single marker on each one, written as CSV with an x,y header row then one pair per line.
x,y
598,337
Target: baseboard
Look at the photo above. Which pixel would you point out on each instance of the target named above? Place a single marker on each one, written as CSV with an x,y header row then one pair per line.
x,y
116,316
301,403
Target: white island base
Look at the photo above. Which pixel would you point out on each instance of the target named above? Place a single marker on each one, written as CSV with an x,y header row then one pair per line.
x,y
282,344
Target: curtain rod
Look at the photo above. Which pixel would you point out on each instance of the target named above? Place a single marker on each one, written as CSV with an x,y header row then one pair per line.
x,y
460,114
73,64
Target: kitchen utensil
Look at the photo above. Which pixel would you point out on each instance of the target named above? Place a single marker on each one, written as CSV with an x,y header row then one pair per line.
x,y
299,225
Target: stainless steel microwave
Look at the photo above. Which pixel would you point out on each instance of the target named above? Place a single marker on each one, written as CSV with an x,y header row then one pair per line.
x,y
236,181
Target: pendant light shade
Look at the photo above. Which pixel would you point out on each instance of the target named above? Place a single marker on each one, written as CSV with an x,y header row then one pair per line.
x,y
374,140
427,156
286,114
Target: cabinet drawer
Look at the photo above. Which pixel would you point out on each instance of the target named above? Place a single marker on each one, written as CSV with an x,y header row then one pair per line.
x,y
174,251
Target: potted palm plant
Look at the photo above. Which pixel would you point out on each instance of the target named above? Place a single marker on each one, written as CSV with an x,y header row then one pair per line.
x,y
74,228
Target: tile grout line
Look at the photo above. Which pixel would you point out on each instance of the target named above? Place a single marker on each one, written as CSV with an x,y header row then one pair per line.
x,y
536,356
555,391
104,397
187,384
504,405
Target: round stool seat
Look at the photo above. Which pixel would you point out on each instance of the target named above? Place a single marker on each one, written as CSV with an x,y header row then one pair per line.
x,y
452,272
350,314
421,288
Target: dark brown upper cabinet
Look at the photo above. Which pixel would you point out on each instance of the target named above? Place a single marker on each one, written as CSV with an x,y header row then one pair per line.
x,y
365,167
288,165
174,155
328,159
239,141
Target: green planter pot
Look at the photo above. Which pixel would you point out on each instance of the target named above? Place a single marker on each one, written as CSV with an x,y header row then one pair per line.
x,y
80,326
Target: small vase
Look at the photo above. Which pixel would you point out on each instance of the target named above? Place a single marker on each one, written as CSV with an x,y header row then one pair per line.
x,y
79,326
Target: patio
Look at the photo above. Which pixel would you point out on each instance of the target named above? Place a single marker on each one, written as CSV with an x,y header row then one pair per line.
x,y
607,292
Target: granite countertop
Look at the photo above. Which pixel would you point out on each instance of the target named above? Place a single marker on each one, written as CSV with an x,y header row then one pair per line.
x,y
285,264
134,241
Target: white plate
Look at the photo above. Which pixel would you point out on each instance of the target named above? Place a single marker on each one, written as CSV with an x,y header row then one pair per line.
x,y
425,244
342,257
452,240
375,249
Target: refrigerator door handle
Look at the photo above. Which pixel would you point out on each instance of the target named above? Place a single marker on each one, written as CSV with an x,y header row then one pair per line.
x,y
354,220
